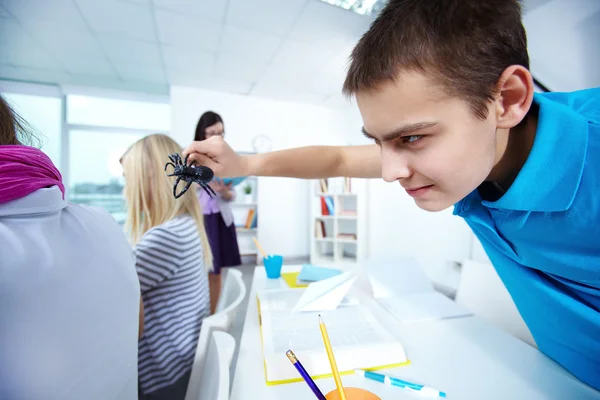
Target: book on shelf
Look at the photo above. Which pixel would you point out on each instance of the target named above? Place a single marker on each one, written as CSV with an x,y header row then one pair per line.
x,y
327,207
348,236
359,341
335,185
250,219
320,231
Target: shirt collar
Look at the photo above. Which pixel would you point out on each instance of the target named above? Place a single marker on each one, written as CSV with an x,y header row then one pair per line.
x,y
43,200
549,179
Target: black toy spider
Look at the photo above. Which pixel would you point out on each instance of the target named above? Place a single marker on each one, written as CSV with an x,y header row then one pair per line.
x,y
190,173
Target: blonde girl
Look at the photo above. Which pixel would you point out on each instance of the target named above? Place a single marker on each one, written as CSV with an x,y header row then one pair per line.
x,y
173,259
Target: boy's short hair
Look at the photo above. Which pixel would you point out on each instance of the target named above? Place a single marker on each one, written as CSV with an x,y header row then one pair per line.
x,y
464,45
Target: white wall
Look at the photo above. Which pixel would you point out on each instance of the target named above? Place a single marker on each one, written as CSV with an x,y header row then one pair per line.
x,y
563,43
283,224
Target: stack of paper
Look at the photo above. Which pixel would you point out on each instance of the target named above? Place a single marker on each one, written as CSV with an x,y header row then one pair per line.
x,y
409,295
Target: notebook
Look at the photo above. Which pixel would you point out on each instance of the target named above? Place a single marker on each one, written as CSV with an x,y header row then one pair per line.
x,y
313,273
359,341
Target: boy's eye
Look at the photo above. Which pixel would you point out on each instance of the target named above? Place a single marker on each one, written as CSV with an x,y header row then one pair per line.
x,y
411,138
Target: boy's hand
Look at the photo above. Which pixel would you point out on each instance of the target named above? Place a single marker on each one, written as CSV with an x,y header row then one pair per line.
x,y
217,155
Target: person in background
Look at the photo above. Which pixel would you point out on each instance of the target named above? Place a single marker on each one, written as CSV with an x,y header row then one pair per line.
x,y
69,294
446,95
173,259
218,217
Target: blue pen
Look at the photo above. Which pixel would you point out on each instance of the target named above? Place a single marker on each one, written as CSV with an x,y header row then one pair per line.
x,y
390,380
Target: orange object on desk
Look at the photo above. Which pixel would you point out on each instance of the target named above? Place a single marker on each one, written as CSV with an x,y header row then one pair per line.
x,y
352,393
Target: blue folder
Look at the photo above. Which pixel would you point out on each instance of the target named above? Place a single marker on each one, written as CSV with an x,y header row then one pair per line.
x,y
233,181
312,273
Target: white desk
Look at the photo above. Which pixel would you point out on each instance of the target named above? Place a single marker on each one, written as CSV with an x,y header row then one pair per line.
x,y
465,357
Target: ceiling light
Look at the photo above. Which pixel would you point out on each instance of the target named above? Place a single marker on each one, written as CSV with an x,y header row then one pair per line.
x,y
362,7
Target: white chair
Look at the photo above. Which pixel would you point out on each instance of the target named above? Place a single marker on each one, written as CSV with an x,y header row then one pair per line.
x,y
482,291
214,384
210,325
232,296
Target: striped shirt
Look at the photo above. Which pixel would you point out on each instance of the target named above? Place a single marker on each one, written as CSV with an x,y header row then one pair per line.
x,y
174,284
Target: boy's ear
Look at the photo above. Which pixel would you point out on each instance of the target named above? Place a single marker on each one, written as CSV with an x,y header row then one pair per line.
x,y
515,95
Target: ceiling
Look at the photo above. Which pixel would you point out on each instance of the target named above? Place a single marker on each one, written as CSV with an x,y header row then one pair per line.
x,y
282,49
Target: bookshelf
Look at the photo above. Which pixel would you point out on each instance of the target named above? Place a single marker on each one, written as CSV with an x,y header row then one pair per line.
x,y
245,217
338,228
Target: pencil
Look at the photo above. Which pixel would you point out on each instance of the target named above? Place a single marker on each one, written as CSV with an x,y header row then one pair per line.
x,y
259,247
311,384
334,370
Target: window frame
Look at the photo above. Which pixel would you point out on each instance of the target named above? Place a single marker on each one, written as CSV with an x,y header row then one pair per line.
x,y
62,92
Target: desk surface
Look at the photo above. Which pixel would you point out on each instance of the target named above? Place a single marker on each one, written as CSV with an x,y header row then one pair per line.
x,y
465,357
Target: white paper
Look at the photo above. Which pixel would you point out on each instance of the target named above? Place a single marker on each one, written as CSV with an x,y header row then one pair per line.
x,y
326,294
420,307
401,276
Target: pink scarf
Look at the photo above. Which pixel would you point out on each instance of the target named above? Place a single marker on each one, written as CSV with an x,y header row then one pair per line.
x,y
24,170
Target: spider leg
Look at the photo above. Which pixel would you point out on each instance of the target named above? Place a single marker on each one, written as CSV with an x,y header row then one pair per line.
x,y
175,188
208,189
178,157
186,188
167,164
172,158
186,159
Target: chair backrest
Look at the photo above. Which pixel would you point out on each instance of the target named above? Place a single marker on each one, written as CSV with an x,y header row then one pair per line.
x,y
482,291
214,384
232,296
214,323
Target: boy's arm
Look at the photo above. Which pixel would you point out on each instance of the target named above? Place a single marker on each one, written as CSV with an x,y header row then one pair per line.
x,y
309,162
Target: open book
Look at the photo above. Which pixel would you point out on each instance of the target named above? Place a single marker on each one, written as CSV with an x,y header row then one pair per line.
x,y
358,340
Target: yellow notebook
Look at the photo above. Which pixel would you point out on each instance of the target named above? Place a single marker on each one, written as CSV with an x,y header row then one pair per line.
x,y
359,341
291,278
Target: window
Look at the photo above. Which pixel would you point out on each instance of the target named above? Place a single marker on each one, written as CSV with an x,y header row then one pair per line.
x,y
100,130
44,116
118,113
87,146
96,176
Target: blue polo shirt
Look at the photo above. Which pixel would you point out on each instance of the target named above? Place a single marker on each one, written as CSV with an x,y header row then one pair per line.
x,y
543,234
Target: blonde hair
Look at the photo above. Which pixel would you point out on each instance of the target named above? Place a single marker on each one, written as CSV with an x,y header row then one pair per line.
x,y
149,191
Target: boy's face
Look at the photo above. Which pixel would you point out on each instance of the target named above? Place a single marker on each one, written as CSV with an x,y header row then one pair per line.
x,y
432,144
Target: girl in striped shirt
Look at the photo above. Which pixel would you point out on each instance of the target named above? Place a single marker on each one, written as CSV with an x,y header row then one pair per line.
x,y
173,259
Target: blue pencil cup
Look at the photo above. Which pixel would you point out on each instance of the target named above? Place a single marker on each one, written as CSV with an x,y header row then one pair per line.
x,y
273,265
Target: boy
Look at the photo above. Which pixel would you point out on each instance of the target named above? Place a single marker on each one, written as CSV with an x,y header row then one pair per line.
x,y
444,91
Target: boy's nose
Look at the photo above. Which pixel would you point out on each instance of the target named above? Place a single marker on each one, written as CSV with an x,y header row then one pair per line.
x,y
394,166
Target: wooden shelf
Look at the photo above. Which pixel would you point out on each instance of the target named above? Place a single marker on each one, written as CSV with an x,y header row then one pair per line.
x,y
245,230
240,204
326,240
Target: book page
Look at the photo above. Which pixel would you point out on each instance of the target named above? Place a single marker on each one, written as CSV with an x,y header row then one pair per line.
x,y
357,338
347,327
